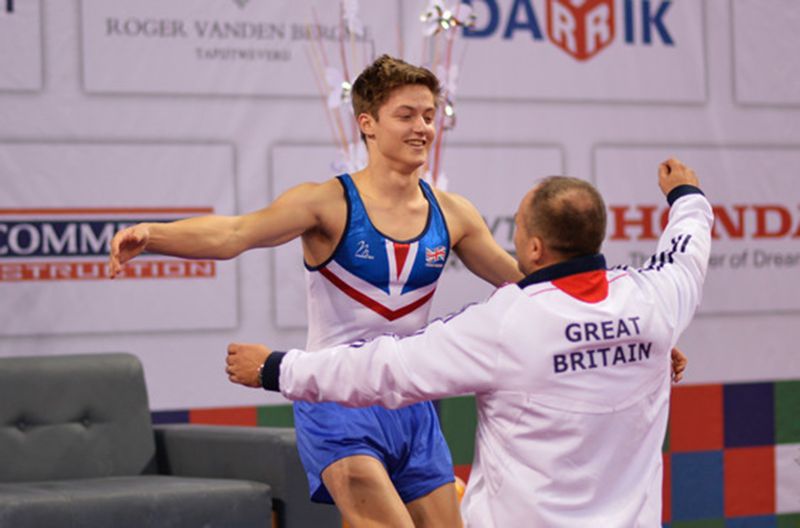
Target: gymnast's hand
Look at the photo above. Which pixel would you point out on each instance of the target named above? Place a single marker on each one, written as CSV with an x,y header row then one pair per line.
x,y
244,363
125,245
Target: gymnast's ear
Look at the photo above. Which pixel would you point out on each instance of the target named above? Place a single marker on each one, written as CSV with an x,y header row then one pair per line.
x,y
366,123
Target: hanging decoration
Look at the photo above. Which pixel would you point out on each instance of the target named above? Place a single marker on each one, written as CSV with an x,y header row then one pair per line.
x,y
335,73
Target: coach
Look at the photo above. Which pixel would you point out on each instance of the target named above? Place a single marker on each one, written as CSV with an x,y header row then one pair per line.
x,y
570,366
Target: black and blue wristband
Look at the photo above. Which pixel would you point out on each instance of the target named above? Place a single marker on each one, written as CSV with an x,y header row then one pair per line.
x,y
271,371
682,190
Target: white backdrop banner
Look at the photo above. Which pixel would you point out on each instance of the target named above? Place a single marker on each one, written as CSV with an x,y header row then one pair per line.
x,y
765,35
598,50
220,47
61,205
21,45
755,257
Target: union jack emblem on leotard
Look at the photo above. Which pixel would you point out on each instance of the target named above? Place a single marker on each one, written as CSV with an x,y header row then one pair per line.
x,y
435,257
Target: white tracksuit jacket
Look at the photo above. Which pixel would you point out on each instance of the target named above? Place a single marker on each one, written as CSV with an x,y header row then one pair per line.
x,y
571,369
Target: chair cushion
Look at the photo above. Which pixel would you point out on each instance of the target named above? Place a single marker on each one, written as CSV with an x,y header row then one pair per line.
x,y
136,502
69,417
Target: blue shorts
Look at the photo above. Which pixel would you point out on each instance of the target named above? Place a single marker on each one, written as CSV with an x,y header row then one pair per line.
x,y
407,441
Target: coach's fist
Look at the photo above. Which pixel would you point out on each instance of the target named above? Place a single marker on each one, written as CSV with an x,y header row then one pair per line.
x,y
673,173
244,362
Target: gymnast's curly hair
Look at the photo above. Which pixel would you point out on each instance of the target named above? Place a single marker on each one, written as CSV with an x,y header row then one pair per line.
x,y
375,84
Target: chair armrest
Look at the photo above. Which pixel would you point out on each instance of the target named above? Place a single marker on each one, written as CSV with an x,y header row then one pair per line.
x,y
261,454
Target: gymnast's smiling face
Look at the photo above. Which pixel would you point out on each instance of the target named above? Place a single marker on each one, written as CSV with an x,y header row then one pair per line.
x,y
403,131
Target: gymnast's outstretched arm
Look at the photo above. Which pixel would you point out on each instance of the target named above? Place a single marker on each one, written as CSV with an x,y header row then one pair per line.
x,y
223,237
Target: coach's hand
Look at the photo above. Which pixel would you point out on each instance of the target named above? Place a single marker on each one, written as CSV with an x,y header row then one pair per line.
x,y
673,173
679,362
244,363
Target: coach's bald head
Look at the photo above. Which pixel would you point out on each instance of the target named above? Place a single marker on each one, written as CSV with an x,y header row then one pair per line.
x,y
559,219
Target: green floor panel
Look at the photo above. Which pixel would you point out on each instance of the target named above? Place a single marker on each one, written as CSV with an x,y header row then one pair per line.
x,y
791,520
276,416
787,410
459,417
